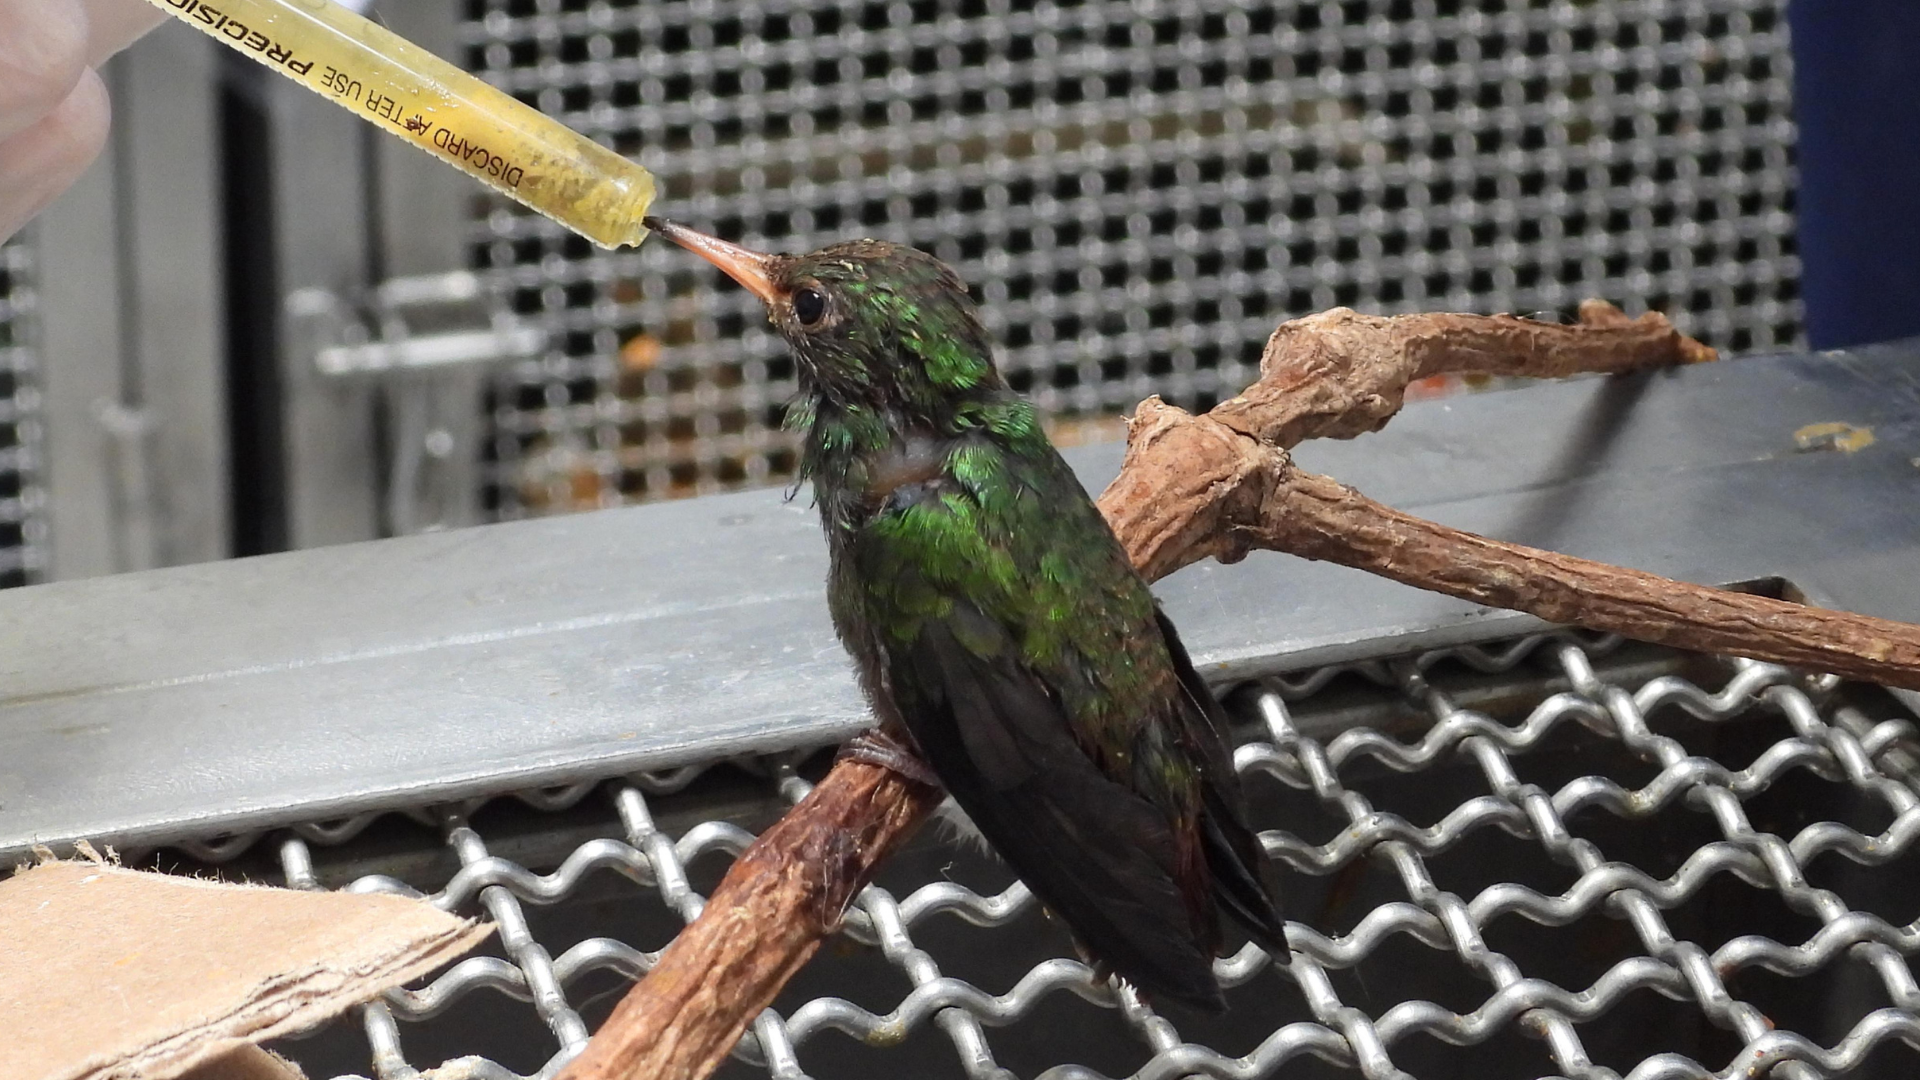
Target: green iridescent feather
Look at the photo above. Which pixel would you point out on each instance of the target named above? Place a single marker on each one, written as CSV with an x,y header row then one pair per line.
x,y
993,617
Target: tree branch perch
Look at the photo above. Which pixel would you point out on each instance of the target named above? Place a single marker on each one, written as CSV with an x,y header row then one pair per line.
x,y
780,899
1219,485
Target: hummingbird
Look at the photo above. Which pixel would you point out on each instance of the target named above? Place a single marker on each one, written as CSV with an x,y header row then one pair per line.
x,y
1001,635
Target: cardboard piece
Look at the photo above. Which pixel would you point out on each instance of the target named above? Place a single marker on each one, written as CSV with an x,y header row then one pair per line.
x,y
111,973
250,1062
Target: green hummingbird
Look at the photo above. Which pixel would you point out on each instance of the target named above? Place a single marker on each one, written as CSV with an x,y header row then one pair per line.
x,y
997,622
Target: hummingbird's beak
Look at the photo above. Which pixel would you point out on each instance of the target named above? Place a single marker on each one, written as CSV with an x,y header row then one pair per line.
x,y
749,268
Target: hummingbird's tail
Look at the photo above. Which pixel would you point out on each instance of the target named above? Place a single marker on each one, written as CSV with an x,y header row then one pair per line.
x,y
1240,887
1242,882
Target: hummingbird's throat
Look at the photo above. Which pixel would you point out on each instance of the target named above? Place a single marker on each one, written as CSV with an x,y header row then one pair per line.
x,y
914,459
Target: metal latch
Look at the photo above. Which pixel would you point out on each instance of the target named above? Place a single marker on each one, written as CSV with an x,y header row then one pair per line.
x,y
392,343
426,342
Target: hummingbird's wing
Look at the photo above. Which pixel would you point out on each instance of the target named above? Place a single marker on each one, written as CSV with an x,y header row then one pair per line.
x,y
1232,848
993,613
1100,856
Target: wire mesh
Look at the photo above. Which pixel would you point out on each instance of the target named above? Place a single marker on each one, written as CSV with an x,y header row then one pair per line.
x,y
23,527
1138,189
1556,856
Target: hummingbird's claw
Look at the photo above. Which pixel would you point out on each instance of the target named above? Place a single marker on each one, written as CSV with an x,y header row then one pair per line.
x,y
876,746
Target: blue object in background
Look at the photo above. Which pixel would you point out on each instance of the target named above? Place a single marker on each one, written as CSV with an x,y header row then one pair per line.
x,y
1856,87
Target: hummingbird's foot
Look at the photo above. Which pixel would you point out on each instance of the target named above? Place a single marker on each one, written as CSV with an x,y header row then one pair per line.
x,y
876,747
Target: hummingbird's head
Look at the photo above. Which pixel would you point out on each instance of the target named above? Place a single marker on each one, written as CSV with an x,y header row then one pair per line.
x,y
869,322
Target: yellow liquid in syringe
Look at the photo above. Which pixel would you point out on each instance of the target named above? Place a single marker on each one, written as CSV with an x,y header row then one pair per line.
x,y
427,101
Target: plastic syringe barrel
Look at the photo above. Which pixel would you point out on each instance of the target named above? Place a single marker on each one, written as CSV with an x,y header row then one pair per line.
x,y
387,80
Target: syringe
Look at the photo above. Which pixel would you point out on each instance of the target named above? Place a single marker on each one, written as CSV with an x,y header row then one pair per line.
x,y
387,80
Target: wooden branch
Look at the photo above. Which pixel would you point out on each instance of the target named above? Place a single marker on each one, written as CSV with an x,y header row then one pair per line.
x,y
1336,375
779,900
1218,485
1339,373
1258,498
1320,518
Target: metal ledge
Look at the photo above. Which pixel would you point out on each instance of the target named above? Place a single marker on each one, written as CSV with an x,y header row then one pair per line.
x,y
201,699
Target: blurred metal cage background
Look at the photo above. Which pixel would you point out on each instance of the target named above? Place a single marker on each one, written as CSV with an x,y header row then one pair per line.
x,y
23,526
1138,189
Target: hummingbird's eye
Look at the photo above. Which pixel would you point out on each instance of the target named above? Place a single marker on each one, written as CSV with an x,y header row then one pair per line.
x,y
809,306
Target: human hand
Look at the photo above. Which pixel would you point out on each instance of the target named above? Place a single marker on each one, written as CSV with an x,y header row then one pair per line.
x,y
53,106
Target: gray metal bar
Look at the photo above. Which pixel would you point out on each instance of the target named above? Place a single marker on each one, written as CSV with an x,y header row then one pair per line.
x,y
169,117
80,368
425,212
132,311
305,685
319,152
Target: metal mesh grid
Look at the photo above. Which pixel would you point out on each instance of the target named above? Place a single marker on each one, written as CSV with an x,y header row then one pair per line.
x,y
1491,848
1139,189
23,527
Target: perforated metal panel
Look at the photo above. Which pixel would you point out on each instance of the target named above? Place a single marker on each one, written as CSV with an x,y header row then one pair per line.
x,y
23,528
1553,856
1138,190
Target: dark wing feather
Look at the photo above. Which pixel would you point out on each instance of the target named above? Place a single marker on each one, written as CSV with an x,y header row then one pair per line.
x,y
1232,849
1099,855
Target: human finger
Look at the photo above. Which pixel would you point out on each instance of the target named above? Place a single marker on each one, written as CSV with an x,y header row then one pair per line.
x,y
113,25
43,51
39,162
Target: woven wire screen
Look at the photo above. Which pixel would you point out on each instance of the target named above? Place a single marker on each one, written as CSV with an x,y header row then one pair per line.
x,y
23,540
1138,189
1553,856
